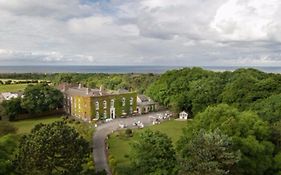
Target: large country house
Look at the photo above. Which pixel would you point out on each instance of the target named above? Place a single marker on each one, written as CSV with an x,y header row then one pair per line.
x,y
93,104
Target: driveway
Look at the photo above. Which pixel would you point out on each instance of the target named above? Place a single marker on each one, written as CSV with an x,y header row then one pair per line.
x,y
105,129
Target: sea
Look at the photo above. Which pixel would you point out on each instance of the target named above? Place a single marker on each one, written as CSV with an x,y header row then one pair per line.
x,y
119,69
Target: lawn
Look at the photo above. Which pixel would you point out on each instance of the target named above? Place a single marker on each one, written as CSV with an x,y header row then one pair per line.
x,y
25,126
12,87
119,145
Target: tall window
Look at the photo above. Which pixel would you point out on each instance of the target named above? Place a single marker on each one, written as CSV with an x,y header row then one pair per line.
x,y
104,114
104,104
112,103
97,105
123,101
97,115
131,109
131,101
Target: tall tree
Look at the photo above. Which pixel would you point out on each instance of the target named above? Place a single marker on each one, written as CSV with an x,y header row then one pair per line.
x,y
11,108
8,145
249,133
269,109
153,153
41,97
209,153
54,148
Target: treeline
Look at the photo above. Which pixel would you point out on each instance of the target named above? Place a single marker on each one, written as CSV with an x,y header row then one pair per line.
x,y
25,76
137,82
194,89
7,82
236,126
36,99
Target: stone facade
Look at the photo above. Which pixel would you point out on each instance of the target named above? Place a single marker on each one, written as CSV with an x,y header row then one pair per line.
x,y
94,104
145,105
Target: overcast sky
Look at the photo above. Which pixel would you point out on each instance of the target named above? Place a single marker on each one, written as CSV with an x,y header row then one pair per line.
x,y
141,32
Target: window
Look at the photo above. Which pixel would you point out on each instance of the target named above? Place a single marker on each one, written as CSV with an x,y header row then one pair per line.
x,y
104,104
97,105
131,101
104,114
97,115
112,103
131,110
123,101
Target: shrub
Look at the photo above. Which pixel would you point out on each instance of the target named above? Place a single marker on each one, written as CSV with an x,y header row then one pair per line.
x,y
128,132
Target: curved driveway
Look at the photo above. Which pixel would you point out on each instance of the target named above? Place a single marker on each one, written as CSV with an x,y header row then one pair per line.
x,y
105,129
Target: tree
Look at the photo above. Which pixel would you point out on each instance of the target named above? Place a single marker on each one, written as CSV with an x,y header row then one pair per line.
x,y
41,97
269,109
240,92
277,163
8,144
11,108
205,92
209,153
54,148
153,153
248,132
276,134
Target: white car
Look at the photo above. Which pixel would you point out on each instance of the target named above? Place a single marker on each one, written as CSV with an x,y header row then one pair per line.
x,y
108,119
121,125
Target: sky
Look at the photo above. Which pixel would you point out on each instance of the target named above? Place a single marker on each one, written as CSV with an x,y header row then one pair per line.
x,y
141,32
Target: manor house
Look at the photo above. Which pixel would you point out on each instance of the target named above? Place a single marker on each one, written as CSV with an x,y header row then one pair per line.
x,y
94,104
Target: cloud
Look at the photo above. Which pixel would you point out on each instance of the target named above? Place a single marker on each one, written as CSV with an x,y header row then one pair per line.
x,y
248,20
160,32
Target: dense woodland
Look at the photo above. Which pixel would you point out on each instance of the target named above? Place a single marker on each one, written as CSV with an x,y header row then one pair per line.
x,y
237,119
236,126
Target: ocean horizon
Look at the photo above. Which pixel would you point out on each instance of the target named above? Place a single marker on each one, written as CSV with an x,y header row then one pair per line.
x,y
121,69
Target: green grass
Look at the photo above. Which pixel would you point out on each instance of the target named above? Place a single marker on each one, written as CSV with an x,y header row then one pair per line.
x,y
25,126
12,87
119,145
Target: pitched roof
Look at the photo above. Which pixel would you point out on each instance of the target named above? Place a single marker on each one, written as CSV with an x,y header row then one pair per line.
x,y
143,98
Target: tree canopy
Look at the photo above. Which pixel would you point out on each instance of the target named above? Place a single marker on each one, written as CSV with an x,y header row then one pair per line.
x,y
153,153
209,153
41,97
54,148
249,133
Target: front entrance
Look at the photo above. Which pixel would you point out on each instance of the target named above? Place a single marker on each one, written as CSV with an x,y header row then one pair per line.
x,y
112,113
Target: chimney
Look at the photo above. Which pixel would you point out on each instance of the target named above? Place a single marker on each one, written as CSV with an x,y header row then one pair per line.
x,y
87,91
80,86
101,88
63,87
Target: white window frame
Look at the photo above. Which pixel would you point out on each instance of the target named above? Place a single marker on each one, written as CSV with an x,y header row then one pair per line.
x,y
97,105
123,101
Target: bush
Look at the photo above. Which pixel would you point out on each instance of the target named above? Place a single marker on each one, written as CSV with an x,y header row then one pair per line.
x,y
128,132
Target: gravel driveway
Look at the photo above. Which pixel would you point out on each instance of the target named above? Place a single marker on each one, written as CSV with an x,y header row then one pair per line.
x,y
105,129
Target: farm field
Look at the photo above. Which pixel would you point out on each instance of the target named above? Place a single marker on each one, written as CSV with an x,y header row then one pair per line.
x,y
12,87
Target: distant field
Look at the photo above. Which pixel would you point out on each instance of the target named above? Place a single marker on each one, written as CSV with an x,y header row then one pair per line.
x,y
119,146
25,126
12,87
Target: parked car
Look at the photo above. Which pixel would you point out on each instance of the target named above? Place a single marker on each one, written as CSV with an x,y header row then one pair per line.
x,y
121,125
108,119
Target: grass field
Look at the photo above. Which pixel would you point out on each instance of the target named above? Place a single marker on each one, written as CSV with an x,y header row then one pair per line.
x,y
25,126
12,87
119,146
